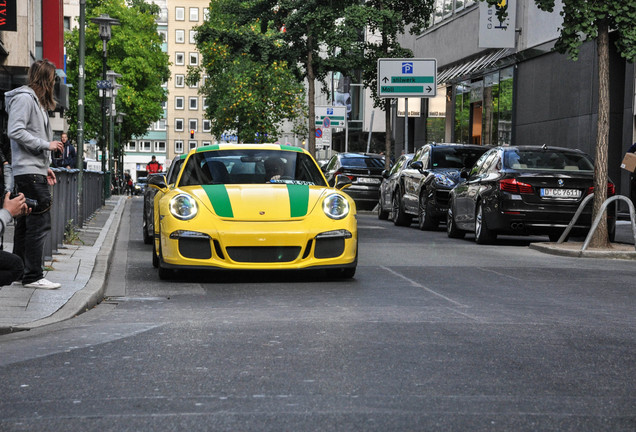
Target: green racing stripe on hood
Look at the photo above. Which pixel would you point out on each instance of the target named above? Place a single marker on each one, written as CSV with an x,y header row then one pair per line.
x,y
298,200
218,196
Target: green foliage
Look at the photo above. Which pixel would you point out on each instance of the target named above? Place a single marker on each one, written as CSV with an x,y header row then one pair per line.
x,y
134,52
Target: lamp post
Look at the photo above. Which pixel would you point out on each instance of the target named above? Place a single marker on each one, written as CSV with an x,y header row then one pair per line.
x,y
105,22
120,160
112,112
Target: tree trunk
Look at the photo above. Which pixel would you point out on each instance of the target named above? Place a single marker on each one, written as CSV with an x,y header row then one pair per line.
x,y
311,95
600,238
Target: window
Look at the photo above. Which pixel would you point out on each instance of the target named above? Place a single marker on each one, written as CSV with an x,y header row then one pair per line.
x,y
163,34
193,102
205,143
194,14
195,85
179,36
194,124
178,102
179,80
145,146
206,13
131,146
160,146
178,125
179,14
179,58
67,23
192,145
161,125
164,105
207,125
163,15
193,36
178,146
194,59
205,103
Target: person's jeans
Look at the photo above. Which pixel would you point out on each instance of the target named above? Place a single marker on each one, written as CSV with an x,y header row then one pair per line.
x,y
11,268
31,231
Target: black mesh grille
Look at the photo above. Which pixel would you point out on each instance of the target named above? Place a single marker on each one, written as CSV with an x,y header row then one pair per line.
x,y
329,247
196,248
263,254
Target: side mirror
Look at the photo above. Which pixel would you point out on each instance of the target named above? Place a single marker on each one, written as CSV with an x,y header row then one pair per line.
x,y
342,182
385,174
418,165
157,181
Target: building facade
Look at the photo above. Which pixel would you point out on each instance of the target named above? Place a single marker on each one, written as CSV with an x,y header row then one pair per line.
x,y
517,90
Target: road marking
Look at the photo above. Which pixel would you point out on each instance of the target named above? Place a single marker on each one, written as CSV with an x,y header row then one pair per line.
x,y
418,285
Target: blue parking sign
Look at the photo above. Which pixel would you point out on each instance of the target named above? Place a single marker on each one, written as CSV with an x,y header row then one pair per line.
x,y
407,67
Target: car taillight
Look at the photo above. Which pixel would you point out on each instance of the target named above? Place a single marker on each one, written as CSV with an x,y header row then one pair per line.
x,y
611,189
338,172
513,186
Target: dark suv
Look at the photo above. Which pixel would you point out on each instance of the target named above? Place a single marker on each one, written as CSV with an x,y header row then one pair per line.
x,y
424,187
365,172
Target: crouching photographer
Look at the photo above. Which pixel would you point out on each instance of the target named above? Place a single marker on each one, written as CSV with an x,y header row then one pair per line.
x,y
11,267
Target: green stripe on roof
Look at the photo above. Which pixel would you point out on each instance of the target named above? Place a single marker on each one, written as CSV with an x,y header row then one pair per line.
x,y
208,147
298,199
218,196
292,148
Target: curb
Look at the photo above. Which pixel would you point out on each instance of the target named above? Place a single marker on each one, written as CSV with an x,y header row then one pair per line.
x,y
574,250
93,292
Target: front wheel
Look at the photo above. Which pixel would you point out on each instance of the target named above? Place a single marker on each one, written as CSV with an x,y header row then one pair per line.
x,y
451,227
400,218
425,221
482,234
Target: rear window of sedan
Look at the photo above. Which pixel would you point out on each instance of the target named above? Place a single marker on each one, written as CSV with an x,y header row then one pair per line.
x,y
250,167
547,160
362,162
449,157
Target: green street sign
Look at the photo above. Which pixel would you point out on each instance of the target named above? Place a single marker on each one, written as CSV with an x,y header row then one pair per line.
x,y
407,77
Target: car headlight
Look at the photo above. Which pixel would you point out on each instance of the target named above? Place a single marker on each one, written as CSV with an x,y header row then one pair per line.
x,y
183,207
443,180
336,206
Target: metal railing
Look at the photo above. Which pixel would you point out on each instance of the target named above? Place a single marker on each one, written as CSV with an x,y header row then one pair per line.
x,y
601,213
65,207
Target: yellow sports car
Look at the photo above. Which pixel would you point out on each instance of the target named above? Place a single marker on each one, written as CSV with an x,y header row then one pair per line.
x,y
253,206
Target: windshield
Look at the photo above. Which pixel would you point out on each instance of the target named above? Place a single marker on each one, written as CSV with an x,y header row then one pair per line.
x,y
362,162
547,160
450,157
250,167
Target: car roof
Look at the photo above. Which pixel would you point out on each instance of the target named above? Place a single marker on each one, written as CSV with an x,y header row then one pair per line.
x,y
535,148
272,147
361,155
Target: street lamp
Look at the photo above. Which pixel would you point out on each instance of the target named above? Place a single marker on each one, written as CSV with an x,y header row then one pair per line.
x,y
105,22
112,111
120,161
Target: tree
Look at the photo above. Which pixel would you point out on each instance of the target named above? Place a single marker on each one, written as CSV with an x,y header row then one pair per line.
x,y
250,89
584,20
384,21
134,52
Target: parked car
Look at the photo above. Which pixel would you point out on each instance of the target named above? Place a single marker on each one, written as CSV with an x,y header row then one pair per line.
x,y
424,187
253,206
389,185
522,191
365,172
139,187
150,193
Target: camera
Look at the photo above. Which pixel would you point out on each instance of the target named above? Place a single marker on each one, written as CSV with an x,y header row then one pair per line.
x,y
31,203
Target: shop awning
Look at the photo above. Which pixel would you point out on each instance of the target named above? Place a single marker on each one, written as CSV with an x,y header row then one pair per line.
x,y
483,62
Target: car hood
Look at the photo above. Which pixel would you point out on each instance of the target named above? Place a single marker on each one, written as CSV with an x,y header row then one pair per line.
x,y
261,203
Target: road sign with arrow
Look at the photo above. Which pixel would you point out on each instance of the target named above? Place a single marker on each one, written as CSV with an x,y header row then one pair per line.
x,y
407,78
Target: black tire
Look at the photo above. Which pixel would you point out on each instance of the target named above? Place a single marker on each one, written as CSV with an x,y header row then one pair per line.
x,y
425,221
382,214
147,237
451,227
400,218
483,235
155,258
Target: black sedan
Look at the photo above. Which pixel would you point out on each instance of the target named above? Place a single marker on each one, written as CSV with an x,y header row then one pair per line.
x,y
389,185
365,172
425,186
524,191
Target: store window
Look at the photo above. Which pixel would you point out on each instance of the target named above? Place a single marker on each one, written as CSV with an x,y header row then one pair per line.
x,y
504,132
436,119
462,112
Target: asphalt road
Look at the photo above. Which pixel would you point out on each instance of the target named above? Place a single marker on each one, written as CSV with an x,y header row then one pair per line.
x,y
432,334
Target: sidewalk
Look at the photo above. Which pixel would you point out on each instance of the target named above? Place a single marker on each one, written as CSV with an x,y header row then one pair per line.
x,y
81,269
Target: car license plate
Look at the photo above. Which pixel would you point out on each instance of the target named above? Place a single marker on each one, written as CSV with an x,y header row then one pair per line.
x,y
560,193
368,180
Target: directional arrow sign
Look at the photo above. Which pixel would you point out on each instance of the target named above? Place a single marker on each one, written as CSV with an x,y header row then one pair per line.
x,y
407,78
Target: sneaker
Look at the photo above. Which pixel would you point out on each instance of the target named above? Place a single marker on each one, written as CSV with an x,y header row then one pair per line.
x,y
43,284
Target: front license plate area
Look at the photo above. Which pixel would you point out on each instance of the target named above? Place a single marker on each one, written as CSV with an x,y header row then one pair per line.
x,y
560,193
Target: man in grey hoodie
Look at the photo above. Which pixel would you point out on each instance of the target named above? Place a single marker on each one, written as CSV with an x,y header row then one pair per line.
x,y
31,145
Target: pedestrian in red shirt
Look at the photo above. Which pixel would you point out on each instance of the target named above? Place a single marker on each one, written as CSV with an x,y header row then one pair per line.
x,y
153,166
